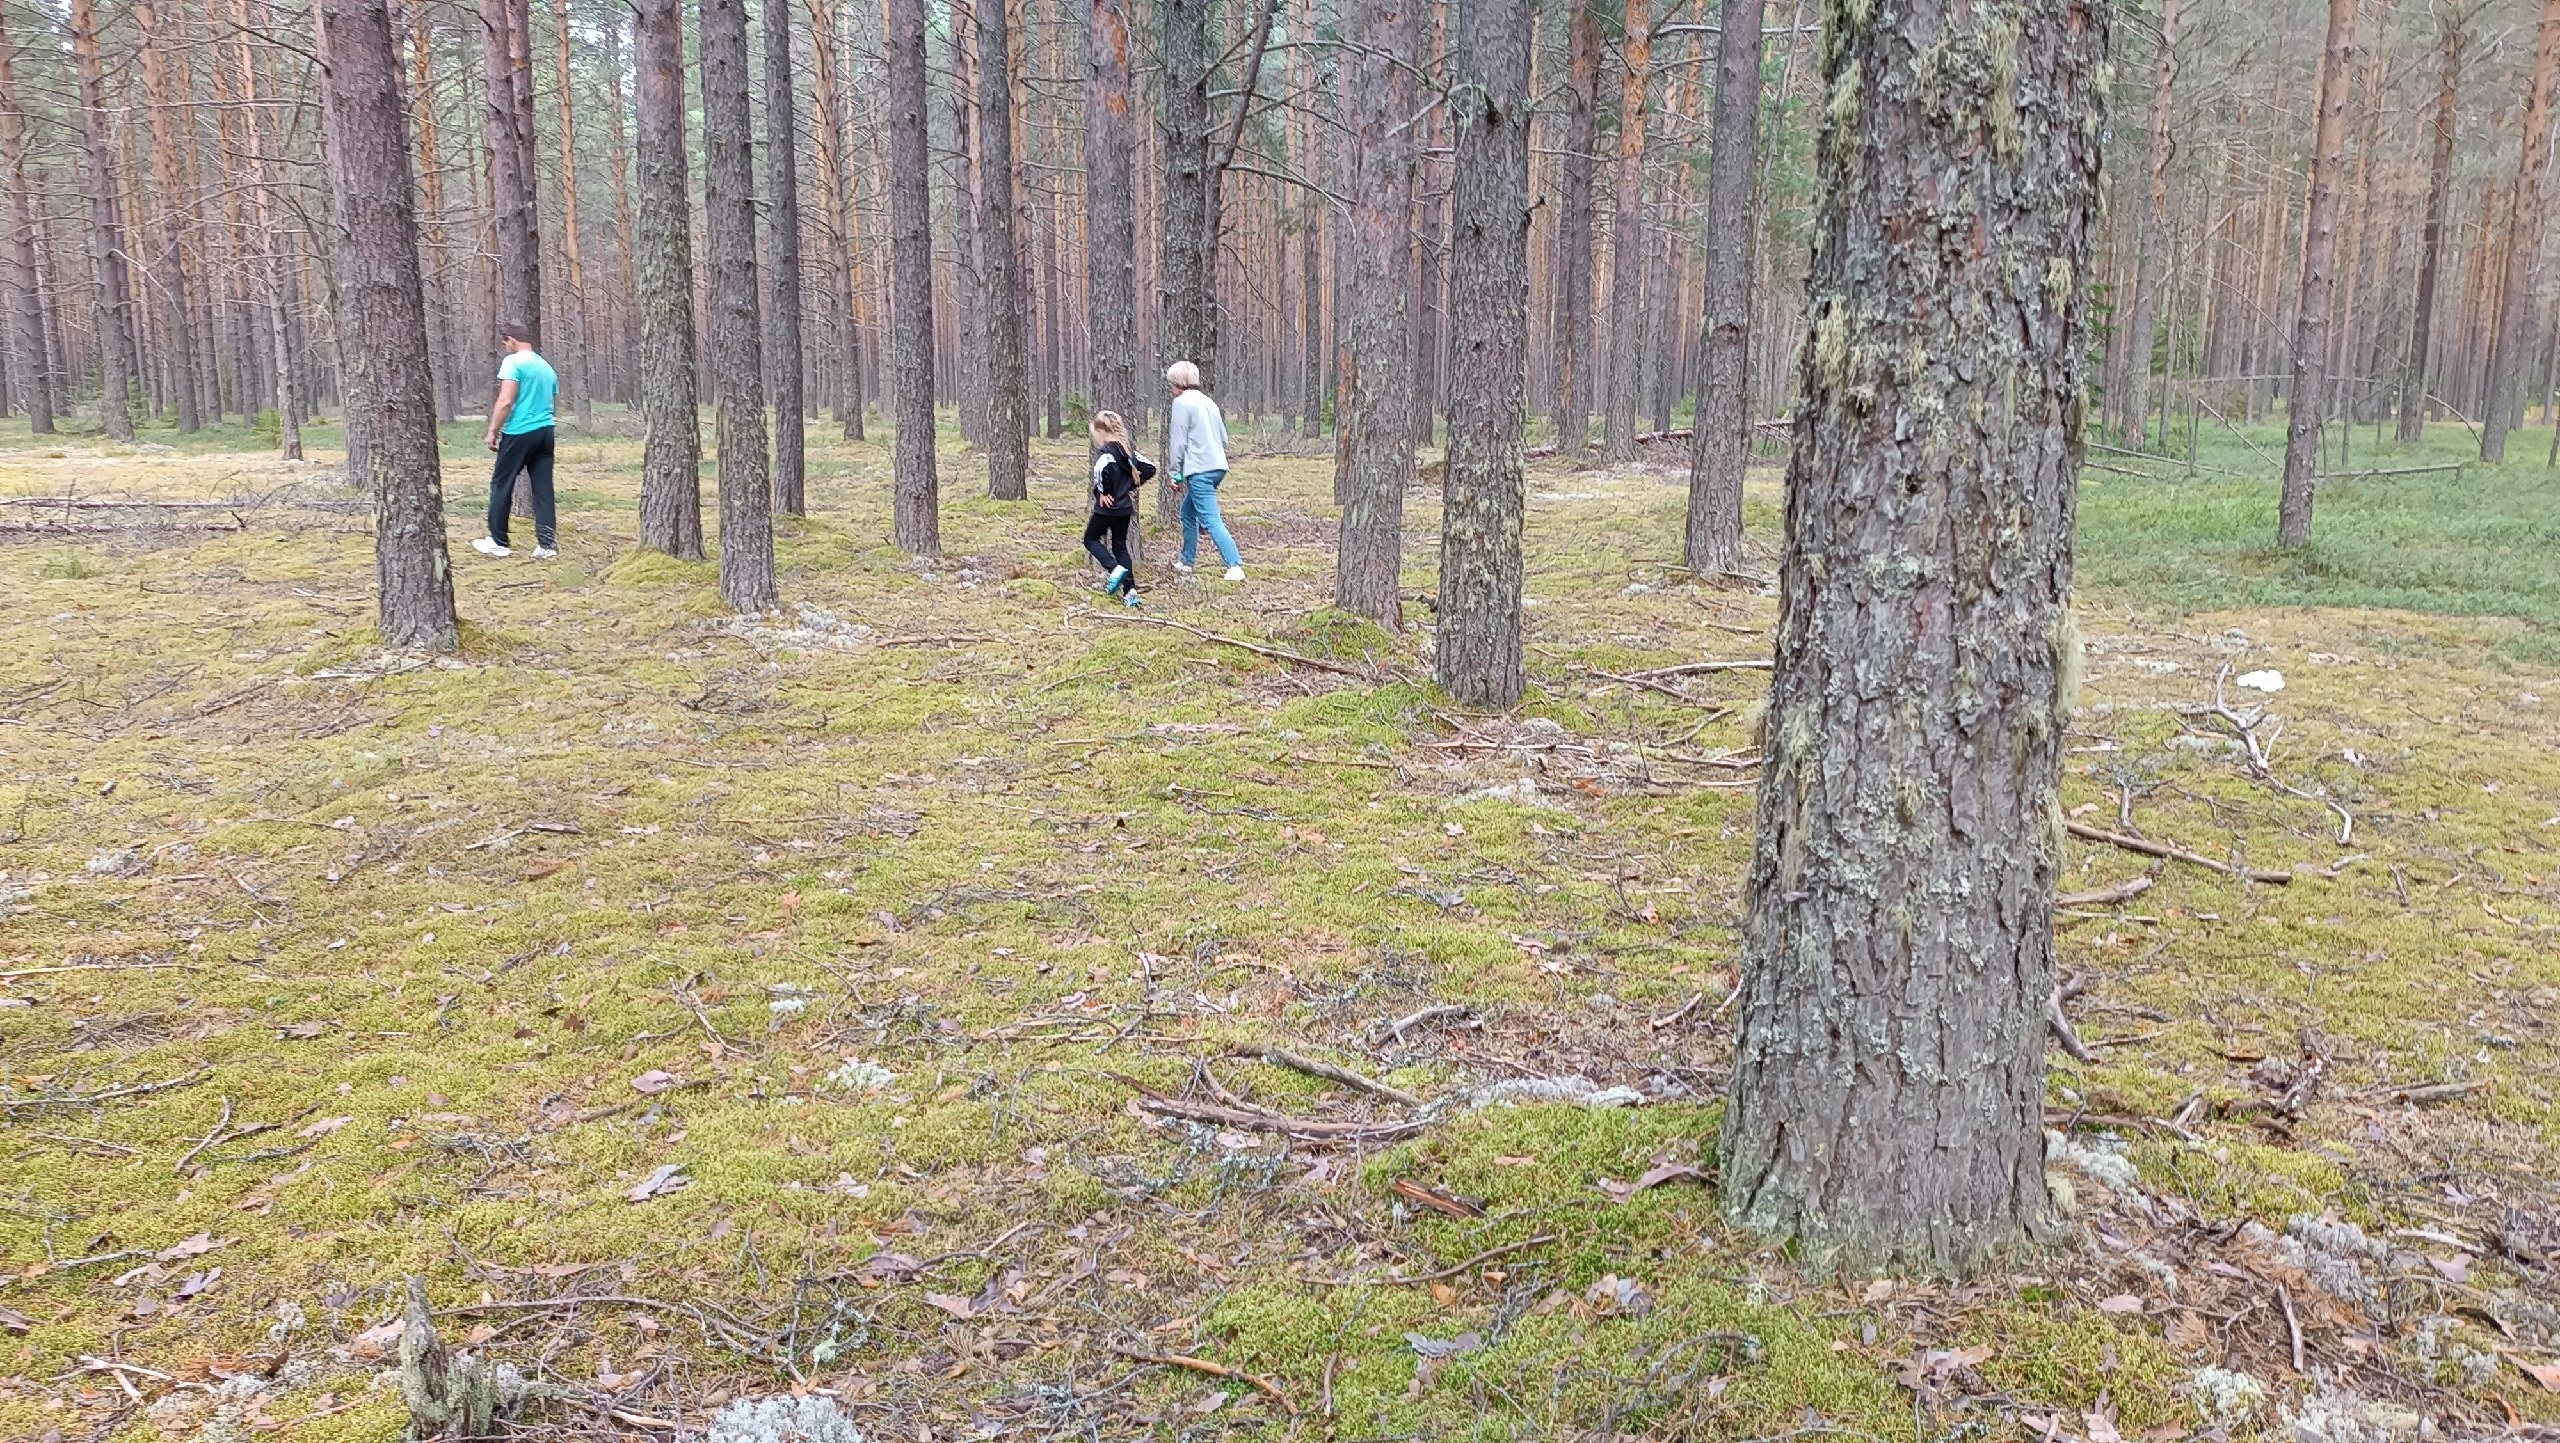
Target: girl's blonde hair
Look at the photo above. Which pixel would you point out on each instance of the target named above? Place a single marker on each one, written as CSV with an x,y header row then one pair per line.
x,y
1107,426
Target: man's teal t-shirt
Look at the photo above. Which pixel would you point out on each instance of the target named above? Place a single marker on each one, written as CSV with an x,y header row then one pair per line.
x,y
535,382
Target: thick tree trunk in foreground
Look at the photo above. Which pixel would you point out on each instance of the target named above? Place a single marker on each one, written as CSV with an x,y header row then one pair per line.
x,y
106,231
782,192
1574,361
385,314
737,339
1008,438
1478,656
2151,256
2517,326
1111,251
2413,371
1720,435
1627,232
1373,442
1887,1102
2307,403
917,505
671,458
35,370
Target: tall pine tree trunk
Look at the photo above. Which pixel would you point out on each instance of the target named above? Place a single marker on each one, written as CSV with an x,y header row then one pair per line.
x,y
737,341
26,299
1575,362
511,184
835,183
671,409
384,311
1478,656
1627,232
2307,403
1111,252
1007,441
917,509
106,231
1887,1103
2151,248
2517,326
269,252
1183,252
1373,445
1720,434
578,381
2413,367
782,193
618,154
440,312
155,47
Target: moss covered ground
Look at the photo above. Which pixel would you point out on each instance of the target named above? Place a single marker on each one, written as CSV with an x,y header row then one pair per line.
x,y
877,936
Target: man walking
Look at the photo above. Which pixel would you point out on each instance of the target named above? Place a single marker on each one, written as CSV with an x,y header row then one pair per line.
x,y
520,432
1196,453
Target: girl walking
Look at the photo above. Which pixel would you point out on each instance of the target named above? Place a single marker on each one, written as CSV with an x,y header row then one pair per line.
x,y
1118,472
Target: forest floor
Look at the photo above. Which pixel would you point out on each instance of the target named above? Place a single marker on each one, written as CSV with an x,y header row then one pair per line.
x,y
875,998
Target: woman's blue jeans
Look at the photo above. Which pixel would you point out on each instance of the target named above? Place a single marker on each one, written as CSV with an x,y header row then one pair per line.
x,y
1200,513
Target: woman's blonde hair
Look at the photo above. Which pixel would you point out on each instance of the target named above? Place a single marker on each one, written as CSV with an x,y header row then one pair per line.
x,y
1107,426
1183,374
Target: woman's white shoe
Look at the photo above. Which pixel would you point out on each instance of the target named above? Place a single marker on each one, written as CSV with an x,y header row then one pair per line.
x,y
1235,573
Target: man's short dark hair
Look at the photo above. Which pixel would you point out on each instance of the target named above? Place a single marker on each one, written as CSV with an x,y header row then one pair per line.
x,y
515,331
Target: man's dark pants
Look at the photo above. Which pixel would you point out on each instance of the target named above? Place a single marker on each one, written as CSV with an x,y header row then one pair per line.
x,y
528,454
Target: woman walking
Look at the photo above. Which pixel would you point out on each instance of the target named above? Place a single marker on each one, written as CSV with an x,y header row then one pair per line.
x,y
1196,449
1118,472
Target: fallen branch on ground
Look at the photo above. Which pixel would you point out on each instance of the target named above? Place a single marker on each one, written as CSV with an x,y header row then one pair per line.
x,y
1407,1280
1273,652
1259,1384
15,1105
1397,1029
2146,847
1281,1057
1304,1129
2124,891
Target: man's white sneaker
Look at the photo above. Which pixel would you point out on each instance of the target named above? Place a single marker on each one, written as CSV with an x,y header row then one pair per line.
x,y
544,553
1235,573
1182,568
488,546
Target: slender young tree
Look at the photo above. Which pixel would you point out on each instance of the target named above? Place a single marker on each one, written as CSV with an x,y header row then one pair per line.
x,y
156,48
386,319
1573,330
34,372
1887,1102
2151,245
1720,434
2517,326
273,273
106,229
1111,252
737,343
835,182
2413,370
1627,232
782,191
671,456
1373,458
2307,403
576,381
916,503
1008,438
1490,103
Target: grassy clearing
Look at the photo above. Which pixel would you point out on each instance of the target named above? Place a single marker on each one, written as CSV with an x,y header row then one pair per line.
x,y
867,921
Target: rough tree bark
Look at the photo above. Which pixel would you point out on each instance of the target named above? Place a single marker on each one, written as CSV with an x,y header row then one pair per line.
x,y
106,230
2517,327
1627,232
156,47
671,456
1111,250
1573,329
785,358
1490,104
737,341
2151,246
268,251
511,183
2413,370
1183,293
1720,434
386,318
1008,438
835,182
1887,1103
440,310
35,371
1373,438
917,519
2307,403
576,382
618,157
